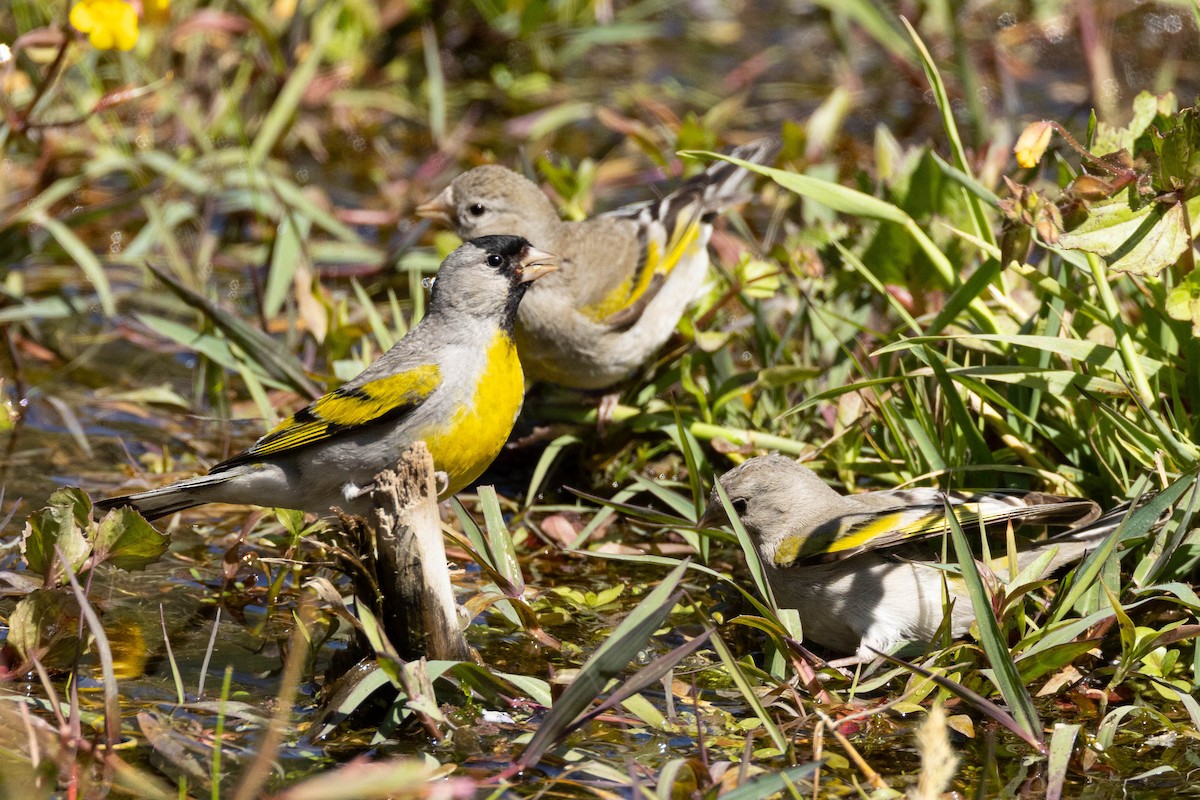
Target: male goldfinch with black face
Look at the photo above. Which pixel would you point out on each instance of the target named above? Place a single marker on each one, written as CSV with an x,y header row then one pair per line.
x,y
454,382
861,569
626,276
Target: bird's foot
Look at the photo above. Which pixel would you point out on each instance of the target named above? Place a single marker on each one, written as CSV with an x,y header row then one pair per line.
x,y
539,434
352,491
442,481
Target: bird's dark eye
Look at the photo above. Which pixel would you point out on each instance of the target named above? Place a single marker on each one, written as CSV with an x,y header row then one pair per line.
x,y
477,210
739,505
494,260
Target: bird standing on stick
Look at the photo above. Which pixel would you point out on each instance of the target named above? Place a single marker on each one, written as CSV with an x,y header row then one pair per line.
x,y
454,382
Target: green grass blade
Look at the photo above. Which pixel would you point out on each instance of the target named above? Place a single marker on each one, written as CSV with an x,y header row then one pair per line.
x,y
757,572
1137,524
1007,677
942,99
499,540
772,783
1062,744
82,255
287,255
976,700
734,670
878,23
270,356
851,201
621,647
288,101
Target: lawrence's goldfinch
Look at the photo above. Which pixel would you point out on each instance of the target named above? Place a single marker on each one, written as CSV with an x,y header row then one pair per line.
x,y
626,278
860,569
454,381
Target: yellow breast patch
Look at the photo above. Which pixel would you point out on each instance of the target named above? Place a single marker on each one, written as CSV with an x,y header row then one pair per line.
x,y
465,446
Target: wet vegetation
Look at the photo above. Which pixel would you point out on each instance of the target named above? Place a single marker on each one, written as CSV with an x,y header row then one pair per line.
x,y
971,265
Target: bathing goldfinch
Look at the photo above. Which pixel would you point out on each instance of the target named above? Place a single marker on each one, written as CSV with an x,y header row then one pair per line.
x,y
859,568
626,276
454,381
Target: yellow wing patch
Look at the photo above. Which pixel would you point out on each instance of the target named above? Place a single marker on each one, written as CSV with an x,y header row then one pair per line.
x,y
891,528
344,409
656,263
846,536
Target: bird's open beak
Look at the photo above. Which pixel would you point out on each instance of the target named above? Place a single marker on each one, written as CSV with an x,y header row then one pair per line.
x,y
536,263
440,208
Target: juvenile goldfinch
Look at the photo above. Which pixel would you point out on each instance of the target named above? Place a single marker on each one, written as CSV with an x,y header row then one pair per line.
x,y
860,569
626,278
454,381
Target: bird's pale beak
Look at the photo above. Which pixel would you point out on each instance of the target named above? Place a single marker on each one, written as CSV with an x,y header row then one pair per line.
x,y
536,263
714,516
440,208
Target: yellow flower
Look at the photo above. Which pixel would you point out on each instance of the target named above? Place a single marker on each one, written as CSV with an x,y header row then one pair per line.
x,y
109,24
155,12
1033,143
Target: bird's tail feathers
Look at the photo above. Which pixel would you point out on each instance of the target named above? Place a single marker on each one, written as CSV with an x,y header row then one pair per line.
x,y
1106,523
166,500
703,195
1073,544
720,185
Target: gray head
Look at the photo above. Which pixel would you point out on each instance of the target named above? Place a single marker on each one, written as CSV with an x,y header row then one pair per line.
x,y
491,200
487,276
772,496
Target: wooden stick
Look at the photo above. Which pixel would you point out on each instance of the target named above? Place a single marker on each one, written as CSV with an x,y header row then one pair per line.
x,y
417,606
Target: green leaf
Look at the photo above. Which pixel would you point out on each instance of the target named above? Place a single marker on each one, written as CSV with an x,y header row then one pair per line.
x,y
1062,743
40,626
877,22
125,539
1143,241
289,97
103,653
840,198
1092,353
1138,523
757,571
500,542
1183,301
734,669
1050,659
494,684
287,254
61,524
1178,151
973,698
646,677
1146,107
941,97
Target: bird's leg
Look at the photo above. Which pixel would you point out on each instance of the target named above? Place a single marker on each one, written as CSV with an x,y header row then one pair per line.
x,y
863,665
443,481
844,663
604,412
